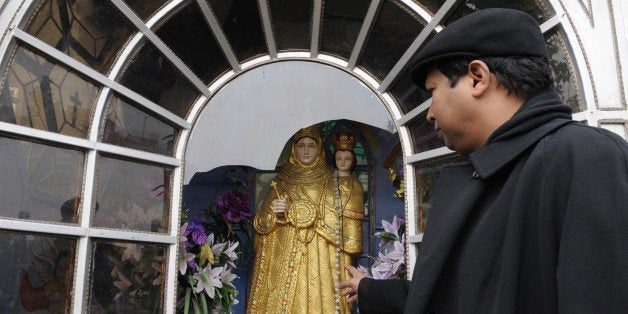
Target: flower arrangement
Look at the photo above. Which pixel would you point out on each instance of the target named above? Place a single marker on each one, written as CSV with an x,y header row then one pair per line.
x,y
398,181
391,260
209,249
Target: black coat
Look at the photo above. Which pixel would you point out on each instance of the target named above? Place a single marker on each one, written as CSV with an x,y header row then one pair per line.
x,y
537,222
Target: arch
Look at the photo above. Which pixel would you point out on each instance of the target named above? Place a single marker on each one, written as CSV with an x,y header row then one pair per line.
x,y
260,109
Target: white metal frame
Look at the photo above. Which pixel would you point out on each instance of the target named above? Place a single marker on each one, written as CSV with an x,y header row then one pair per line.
x,y
13,14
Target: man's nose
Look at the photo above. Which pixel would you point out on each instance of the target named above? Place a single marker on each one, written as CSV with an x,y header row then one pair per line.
x,y
430,115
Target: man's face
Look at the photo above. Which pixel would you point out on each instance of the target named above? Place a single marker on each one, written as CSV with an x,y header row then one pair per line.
x,y
307,150
453,112
344,160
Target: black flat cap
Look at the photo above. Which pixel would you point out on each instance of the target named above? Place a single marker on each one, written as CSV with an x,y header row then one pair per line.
x,y
486,33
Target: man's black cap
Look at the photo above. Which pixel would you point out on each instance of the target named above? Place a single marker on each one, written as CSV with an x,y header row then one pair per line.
x,y
486,33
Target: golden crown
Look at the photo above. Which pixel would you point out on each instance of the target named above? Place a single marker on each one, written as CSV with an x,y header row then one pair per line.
x,y
312,131
344,141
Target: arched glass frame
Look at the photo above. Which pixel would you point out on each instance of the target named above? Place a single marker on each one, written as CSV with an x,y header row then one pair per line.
x,y
75,72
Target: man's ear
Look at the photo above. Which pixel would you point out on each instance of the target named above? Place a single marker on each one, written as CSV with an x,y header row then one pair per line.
x,y
478,71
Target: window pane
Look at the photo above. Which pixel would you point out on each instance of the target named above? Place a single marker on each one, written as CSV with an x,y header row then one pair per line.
x,y
126,277
565,78
90,31
125,125
431,6
407,94
536,8
42,95
144,9
425,173
37,273
241,23
394,30
39,182
188,35
342,21
153,76
132,196
423,136
291,23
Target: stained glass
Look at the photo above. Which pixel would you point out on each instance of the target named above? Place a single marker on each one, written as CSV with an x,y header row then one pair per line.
x,y
40,94
90,31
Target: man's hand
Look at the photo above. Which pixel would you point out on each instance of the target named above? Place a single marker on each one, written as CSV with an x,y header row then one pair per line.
x,y
350,286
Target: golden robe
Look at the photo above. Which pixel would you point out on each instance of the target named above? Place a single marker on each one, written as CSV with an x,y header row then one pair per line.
x,y
295,256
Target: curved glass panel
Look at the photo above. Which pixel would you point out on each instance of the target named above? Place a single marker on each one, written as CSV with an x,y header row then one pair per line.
x,y
423,136
291,23
394,30
431,6
39,182
407,94
189,36
538,9
90,31
37,273
565,78
43,95
241,23
342,21
145,9
154,77
132,196
126,277
425,174
126,125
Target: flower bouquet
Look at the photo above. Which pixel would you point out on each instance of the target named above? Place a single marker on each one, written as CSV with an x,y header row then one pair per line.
x,y
209,248
391,260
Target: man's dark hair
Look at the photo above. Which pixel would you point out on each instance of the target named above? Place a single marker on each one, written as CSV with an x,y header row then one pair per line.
x,y
523,76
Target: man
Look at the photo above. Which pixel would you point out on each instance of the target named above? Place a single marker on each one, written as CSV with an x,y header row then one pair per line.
x,y
537,221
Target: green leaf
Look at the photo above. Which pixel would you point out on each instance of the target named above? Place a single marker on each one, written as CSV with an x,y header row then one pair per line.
x,y
388,236
186,306
205,311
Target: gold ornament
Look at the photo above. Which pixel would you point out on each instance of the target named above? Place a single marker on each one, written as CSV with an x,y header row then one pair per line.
x,y
344,141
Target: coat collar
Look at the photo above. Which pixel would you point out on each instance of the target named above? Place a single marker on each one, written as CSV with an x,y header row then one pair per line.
x,y
536,118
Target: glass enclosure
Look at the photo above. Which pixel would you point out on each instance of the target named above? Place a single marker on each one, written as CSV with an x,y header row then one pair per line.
x,y
97,100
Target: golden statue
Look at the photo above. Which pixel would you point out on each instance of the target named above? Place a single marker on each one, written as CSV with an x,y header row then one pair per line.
x,y
308,227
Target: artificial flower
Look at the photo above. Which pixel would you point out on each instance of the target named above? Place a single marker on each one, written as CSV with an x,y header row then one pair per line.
x,y
234,205
206,255
390,262
184,260
197,230
208,279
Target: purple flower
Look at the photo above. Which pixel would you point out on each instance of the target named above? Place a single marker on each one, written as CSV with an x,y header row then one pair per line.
x,y
391,231
196,228
234,205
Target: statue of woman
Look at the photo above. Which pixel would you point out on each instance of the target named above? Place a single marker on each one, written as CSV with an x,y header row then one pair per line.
x,y
307,228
